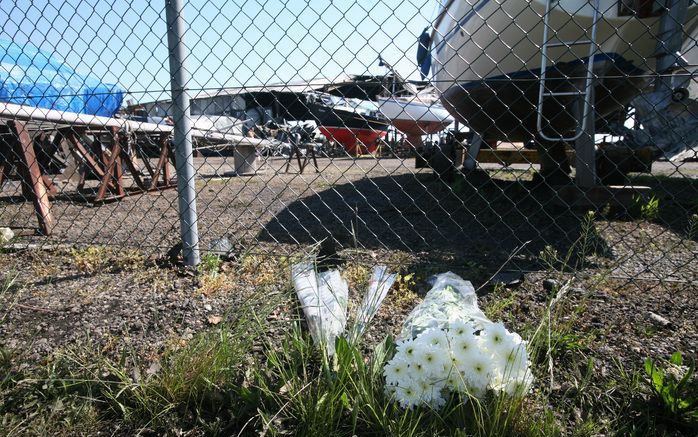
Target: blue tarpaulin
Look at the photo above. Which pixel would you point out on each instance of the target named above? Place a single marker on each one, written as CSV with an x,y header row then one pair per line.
x,y
33,77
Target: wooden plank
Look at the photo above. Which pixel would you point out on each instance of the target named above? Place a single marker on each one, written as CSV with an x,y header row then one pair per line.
x,y
74,141
144,157
50,186
31,172
118,168
135,173
109,173
585,162
508,156
162,161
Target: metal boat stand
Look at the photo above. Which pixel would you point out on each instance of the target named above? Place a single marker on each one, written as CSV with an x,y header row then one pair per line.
x,y
309,153
17,148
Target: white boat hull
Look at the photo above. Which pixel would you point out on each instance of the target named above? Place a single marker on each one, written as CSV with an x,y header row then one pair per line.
x,y
413,116
486,62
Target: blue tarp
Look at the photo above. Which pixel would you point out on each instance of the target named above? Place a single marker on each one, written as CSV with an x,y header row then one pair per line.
x,y
33,77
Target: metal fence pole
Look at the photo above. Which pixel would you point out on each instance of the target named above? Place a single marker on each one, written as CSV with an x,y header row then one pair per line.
x,y
186,190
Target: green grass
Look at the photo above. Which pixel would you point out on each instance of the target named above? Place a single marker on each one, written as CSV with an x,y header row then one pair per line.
x,y
256,375
306,393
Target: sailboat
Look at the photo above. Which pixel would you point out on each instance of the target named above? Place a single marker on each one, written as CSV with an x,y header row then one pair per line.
x,y
516,69
412,112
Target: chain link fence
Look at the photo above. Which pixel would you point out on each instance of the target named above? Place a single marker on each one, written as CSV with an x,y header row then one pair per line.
x,y
474,132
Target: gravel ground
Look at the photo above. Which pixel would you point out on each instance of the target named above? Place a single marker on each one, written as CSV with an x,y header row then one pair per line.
x,y
376,211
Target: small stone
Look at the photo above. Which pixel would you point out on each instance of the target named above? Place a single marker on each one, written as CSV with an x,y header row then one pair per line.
x,y
508,279
221,247
208,307
664,323
6,235
551,285
154,368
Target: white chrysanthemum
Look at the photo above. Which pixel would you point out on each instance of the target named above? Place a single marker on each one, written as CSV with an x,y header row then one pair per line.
x,y
517,385
495,337
463,348
477,371
459,328
433,337
427,390
396,371
522,384
417,371
408,394
406,348
432,393
434,359
455,381
512,358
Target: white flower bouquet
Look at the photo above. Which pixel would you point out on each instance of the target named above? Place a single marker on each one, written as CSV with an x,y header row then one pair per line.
x,y
447,345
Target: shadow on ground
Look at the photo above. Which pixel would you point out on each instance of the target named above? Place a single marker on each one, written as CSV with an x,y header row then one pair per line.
x,y
462,221
677,201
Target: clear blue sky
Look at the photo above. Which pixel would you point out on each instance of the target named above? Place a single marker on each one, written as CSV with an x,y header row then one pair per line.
x,y
231,43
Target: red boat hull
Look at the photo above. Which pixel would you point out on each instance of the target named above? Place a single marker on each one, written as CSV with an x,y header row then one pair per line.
x,y
356,141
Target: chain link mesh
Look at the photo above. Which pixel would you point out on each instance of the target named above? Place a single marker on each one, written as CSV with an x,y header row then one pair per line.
x,y
451,132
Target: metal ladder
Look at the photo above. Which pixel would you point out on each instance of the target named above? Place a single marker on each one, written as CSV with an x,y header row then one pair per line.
x,y
585,92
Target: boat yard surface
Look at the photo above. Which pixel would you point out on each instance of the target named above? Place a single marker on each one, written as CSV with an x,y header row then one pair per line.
x,y
376,206
394,204
109,302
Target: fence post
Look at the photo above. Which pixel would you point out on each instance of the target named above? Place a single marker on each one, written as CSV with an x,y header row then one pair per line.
x,y
186,190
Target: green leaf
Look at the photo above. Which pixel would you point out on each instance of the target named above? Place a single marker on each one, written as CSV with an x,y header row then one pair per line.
x,y
345,399
648,367
656,376
676,359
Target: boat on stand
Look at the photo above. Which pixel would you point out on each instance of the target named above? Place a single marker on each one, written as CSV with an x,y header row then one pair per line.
x,y
355,124
555,69
412,112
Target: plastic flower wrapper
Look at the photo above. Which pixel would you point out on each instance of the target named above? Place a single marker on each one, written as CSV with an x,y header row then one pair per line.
x,y
324,297
447,345
450,299
378,287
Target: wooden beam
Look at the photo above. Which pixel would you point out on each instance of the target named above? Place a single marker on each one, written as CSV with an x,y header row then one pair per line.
x,y
144,157
585,149
113,170
126,158
30,172
162,163
118,168
50,186
508,156
74,141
